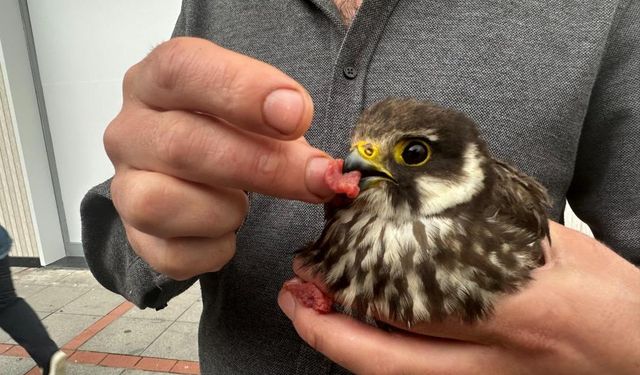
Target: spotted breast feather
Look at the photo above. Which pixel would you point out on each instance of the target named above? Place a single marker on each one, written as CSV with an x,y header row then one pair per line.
x,y
440,228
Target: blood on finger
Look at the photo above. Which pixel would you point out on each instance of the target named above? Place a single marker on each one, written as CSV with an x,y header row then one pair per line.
x,y
340,183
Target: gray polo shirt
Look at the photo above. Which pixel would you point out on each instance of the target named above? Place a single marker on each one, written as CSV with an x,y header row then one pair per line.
x,y
553,85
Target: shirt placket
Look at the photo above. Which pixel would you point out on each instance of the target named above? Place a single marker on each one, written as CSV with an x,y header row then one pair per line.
x,y
347,96
344,104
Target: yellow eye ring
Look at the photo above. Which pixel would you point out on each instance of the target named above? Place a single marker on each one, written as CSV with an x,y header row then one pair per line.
x,y
412,152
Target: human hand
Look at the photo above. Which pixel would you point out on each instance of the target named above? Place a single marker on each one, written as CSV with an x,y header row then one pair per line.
x,y
200,124
580,315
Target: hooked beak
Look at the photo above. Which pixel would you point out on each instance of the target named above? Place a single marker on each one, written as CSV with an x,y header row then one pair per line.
x,y
364,157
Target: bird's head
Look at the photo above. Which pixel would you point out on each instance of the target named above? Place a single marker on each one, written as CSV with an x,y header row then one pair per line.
x,y
416,157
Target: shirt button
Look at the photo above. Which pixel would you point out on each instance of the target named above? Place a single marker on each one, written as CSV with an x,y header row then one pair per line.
x,y
350,72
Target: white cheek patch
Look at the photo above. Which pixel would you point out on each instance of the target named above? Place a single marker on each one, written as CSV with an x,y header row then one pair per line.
x,y
438,194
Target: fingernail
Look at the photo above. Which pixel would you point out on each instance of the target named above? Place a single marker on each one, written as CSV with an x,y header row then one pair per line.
x,y
314,177
283,110
287,304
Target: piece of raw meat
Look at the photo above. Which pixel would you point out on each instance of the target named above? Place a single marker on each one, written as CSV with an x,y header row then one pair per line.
x,y
309,295
342,183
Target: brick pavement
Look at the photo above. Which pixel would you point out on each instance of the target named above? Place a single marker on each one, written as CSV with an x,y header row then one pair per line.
x,y
100,331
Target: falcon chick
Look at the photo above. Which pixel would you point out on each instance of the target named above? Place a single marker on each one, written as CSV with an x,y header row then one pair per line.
x,y
439,229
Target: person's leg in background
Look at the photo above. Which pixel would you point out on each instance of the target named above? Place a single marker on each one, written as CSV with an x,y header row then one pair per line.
x,y
19,320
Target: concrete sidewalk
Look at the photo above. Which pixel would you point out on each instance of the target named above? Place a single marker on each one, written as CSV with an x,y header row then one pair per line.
x,y
101,332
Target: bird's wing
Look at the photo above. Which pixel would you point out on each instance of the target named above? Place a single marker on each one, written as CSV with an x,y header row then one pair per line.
x,y
522,199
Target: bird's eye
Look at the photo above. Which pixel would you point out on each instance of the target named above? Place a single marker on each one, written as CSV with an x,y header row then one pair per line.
x,y
412,152
415,153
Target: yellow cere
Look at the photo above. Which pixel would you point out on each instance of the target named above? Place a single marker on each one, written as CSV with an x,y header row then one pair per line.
x,y
367,150
371,153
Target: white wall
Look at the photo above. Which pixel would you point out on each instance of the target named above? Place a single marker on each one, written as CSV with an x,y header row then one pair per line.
x,y
25,109
84,48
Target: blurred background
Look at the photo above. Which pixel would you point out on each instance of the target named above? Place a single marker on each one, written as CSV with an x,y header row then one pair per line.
x,y
62,64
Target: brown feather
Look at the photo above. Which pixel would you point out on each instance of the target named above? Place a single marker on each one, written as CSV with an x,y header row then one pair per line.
x,y
389,254
523,200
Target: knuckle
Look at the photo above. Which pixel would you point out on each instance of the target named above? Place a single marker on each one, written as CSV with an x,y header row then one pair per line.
x,y
129,80
270,166
171,262
228,86
175,270
225,253
112,138
169,142
136,243
127,127
116,189
174,265
178,62
170,63
144,206
242,208
178,145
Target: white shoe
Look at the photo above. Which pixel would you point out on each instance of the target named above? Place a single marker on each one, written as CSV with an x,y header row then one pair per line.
x,y
58,364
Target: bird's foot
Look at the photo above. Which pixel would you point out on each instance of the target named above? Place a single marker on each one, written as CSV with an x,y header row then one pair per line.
x,y
340,183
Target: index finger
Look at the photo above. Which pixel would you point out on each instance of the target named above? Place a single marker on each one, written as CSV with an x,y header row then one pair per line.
x,y
197,75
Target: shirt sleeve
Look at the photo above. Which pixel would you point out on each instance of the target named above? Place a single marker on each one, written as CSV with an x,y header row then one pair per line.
x,y
605,190
112,260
